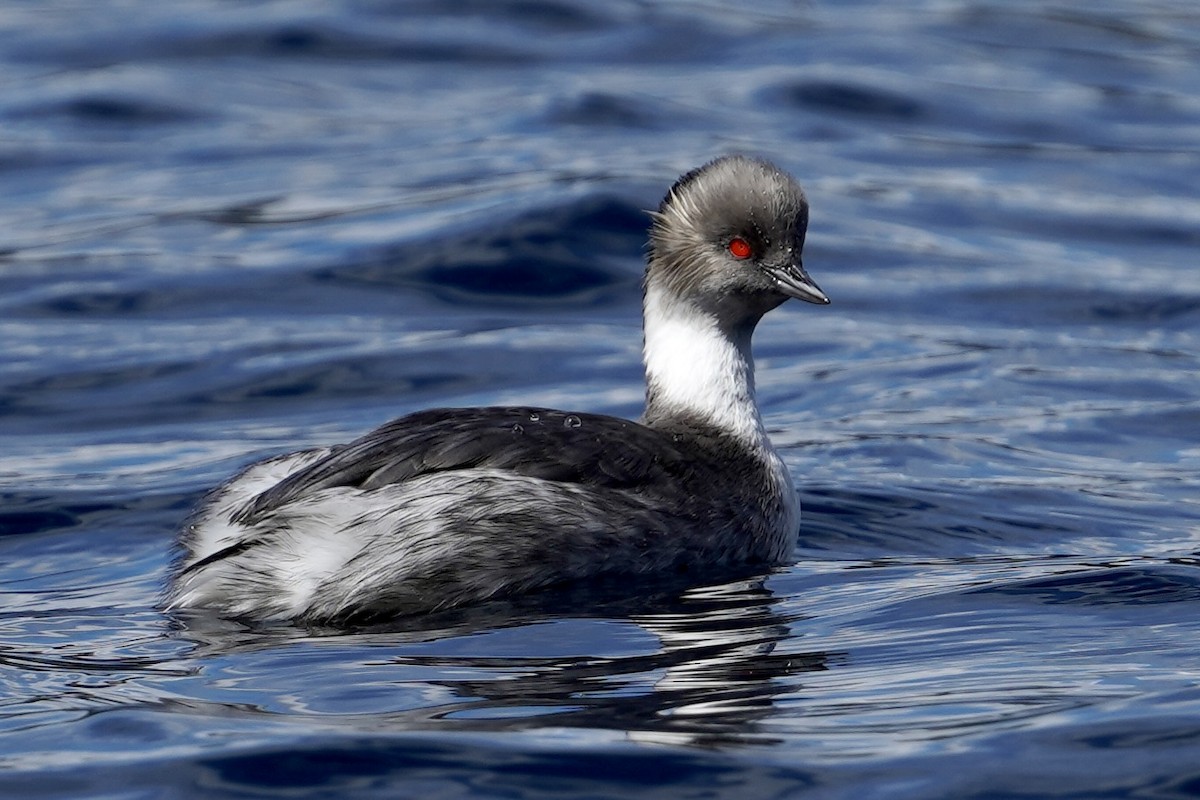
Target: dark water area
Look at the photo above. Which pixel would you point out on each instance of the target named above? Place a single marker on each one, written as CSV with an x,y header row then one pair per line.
x,y
230,230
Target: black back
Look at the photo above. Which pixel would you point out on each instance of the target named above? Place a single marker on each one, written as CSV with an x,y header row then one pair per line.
x,y
588,449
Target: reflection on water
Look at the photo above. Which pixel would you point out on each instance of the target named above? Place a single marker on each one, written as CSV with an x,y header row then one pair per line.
x,y
729,653
696,668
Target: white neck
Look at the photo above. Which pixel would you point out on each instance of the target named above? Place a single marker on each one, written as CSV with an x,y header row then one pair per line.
x,y
693,368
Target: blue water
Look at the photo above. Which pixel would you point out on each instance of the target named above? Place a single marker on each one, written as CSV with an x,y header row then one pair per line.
x,y
228,230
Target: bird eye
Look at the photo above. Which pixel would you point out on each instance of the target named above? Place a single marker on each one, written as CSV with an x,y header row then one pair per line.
x,y
740,248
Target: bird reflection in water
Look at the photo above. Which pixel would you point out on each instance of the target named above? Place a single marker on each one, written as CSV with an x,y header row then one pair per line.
x,y
698,667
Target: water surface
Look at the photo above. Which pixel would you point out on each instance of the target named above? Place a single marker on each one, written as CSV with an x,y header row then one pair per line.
x,y
230,230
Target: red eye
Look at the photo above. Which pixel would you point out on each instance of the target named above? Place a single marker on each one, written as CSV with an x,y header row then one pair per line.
x,y
740,248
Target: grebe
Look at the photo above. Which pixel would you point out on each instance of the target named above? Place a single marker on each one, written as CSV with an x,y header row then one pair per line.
x,y
447,507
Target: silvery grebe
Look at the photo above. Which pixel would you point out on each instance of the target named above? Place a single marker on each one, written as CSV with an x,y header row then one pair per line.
x,y
447,507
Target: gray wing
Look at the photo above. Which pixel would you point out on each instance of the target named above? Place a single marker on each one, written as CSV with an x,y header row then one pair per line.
x,y
591,449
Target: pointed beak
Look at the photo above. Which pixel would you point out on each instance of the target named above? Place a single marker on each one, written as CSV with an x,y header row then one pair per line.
x,y
792,280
